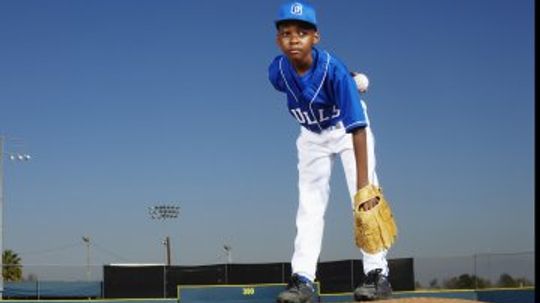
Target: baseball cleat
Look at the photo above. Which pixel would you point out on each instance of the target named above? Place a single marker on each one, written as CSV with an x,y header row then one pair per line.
x,y
374,287
299,290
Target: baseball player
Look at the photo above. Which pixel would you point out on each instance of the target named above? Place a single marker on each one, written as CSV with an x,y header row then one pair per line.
x,y
323,98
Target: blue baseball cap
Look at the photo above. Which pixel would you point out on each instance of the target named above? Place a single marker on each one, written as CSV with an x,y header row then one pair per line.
x,y
299,11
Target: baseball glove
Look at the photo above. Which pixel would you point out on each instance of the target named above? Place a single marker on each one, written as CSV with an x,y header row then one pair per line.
x,y
375,229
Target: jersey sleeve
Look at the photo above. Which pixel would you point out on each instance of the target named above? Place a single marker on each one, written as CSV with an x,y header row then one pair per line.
x,y
274,75
352,113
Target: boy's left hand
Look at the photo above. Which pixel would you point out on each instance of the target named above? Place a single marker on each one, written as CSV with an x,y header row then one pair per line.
x,y
369,204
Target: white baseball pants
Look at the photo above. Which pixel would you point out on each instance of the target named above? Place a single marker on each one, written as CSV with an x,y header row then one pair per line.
x,y
316,154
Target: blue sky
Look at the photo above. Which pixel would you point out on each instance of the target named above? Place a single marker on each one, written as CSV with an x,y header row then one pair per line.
x,y
128,104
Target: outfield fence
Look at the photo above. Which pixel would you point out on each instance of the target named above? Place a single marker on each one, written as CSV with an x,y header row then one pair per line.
x,y
479,271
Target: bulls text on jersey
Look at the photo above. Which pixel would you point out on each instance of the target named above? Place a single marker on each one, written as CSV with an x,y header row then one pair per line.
x,y
304,117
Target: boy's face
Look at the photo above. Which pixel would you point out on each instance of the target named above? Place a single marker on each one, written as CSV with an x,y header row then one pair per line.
x,y
296,40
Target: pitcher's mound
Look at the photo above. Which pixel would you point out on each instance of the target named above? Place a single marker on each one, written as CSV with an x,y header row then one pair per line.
x,y
427,300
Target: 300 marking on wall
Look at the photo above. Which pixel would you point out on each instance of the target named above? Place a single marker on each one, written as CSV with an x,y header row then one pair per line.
x,y
248,291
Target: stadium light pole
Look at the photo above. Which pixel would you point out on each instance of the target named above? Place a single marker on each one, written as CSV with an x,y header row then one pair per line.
x,y
228,250
13,157
86,240
165,212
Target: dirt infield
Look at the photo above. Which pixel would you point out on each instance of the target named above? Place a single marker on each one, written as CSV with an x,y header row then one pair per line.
x,y
427,300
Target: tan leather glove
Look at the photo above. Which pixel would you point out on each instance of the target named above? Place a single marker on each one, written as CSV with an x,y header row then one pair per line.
x,y
375,229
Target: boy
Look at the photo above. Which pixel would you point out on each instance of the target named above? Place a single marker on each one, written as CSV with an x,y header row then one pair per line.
x,y
323,98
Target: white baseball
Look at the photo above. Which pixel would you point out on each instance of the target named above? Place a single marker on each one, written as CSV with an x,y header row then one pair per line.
x,y
362,82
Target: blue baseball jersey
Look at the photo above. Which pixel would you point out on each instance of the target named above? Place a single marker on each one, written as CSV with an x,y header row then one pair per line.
x,y
323,96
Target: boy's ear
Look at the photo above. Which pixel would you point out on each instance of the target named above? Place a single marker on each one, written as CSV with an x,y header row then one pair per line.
x,y
317,37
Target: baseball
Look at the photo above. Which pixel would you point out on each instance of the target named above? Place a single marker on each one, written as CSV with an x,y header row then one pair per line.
x,y
362,82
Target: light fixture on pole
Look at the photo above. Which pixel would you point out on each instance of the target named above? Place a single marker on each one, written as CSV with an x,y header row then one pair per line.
x,y
164,212
13,157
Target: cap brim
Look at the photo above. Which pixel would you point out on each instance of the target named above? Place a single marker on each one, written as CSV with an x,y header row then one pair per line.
x,y
307,23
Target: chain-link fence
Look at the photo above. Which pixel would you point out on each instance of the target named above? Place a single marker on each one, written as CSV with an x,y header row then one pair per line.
x,y
58,272
52,281
489,270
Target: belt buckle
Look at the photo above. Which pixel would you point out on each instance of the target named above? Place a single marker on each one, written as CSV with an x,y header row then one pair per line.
x,y
334,127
